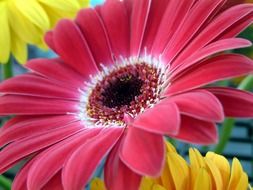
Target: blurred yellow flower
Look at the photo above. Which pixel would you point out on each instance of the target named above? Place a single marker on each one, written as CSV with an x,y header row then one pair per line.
x,y
211,172
25,22
97,184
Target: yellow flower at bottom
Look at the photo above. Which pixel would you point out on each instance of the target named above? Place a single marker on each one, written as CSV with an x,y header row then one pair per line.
x,y
212,172
97,184
25,22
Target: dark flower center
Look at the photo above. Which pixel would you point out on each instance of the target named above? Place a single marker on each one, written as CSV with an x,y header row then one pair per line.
x,y
122,91
129,89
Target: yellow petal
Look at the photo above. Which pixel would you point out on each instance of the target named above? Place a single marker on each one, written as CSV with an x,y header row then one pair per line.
x,y
166,178
19,49
97,184
203,181
5,40
65,5
236,173
33,11
84,3
158,187
222,164
210,155
196,159
170,147
193,159
179,171
146,184
157,181
215,174
55,15
21,26
243,182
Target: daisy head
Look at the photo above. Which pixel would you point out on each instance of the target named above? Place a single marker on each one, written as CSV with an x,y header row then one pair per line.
x,y
128,74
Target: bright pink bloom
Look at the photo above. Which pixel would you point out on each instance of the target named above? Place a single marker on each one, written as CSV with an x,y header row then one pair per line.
x,y
129,73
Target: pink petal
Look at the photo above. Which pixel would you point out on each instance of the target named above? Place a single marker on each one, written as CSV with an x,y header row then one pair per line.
x,y
128,5
199,13
139,17
83,162
19,182
118,175
155,16
199,104
50,40
16,151
34,85
225,23
175,14
236,103
211,49
117,29
28,105
163,118
54,184
13,121
50,161
143,152
33,126
214,69
73,48
242,23
94,32
197,131
237,28
57,71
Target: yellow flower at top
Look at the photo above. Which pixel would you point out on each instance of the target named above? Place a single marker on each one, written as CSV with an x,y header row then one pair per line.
x,y
212,172
26,21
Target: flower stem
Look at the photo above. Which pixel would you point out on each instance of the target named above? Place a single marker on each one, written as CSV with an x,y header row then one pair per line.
x,y
7,72
228,125
5,183
7,69
226,131
247,83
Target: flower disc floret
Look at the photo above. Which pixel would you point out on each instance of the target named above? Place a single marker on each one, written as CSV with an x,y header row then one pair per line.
x,y
129,88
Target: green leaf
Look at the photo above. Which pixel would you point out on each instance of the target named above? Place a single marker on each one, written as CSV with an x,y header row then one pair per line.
x,y
5,183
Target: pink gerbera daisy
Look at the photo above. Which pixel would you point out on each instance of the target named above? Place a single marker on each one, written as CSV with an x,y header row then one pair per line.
x,y
129,73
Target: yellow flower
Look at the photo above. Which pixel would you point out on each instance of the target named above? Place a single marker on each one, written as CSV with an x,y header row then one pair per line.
x,y
97,184
25,22
211,172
